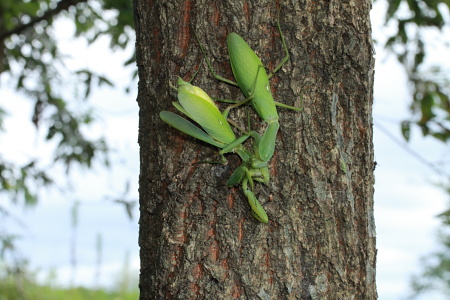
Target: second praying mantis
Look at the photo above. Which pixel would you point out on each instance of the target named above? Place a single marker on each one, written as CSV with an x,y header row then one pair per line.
x,y
199,107
253,80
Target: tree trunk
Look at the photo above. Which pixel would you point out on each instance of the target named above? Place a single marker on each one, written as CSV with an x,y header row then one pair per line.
x,y
198,238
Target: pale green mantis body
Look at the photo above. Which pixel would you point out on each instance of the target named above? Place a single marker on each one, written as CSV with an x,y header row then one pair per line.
x,y
198,106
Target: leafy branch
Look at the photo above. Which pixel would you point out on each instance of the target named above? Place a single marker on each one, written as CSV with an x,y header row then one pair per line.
x,y
63,5
430,86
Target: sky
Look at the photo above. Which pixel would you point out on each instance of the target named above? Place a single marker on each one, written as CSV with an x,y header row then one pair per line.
x,y
406,197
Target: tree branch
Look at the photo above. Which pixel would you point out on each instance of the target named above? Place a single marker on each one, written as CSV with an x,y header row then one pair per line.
x,y
61,6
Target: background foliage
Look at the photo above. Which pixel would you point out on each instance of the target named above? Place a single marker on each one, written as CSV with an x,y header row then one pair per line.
x,y
419,26
32,63
416,22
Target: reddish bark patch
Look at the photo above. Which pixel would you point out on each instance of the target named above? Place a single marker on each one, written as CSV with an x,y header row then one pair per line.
x,y
184,36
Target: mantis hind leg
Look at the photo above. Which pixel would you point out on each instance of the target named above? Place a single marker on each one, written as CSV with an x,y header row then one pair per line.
x,y
283,61
216,76
237,104
290,106
286,57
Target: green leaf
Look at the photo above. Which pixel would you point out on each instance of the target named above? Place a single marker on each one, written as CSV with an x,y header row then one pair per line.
x,y
406,130
426,107
104,80
392,9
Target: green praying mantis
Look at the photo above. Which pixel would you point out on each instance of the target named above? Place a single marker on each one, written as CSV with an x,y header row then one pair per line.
x,y
251,77
199,107
253,80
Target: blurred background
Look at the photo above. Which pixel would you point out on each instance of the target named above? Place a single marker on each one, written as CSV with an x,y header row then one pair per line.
x,y
69,160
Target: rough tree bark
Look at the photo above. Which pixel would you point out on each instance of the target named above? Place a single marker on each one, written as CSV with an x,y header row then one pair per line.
x,y
197,237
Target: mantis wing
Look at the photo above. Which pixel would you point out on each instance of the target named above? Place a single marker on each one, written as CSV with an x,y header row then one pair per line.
x,y
251,77
181,108
207,115
187,127
245,64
